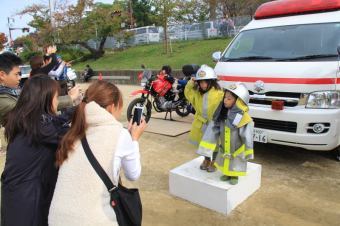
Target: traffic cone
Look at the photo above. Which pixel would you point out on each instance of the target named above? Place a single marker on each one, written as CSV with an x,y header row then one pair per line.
x,y
100,77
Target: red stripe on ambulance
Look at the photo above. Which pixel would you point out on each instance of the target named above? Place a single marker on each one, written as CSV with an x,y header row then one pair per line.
x,y
315,81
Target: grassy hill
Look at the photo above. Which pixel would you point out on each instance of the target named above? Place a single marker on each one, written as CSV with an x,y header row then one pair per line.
x,y
186,52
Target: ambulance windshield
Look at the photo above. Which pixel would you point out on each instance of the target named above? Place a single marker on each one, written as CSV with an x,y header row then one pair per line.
x,y
286,43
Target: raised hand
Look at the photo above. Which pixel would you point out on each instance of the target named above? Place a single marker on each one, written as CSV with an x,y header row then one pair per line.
x,y
51,49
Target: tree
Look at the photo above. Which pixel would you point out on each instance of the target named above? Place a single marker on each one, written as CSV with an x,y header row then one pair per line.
x,y
234,8
97,24
174,11
192,11
76,24
164,10
212,9
41,22
3,41
141,10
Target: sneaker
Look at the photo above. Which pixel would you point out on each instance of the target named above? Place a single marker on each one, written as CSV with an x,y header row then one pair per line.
x,y
224,178
233,180
211,168
205,164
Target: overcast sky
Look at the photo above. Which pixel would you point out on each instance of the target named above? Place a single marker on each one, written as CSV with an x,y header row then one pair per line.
x,y
8,8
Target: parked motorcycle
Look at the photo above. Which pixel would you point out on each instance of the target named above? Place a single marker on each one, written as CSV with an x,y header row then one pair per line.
x,y
158,93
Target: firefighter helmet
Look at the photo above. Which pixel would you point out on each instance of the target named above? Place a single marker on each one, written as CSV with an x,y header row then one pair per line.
x,y
240,90
205,72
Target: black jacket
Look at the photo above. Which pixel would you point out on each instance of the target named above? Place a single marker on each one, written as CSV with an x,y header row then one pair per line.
x,y
30,175
47,68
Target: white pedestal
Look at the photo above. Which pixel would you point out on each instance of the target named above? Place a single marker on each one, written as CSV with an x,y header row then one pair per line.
x,y
206,189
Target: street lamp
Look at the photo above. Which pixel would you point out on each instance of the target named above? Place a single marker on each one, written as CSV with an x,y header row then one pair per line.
x,y
10,28
9,19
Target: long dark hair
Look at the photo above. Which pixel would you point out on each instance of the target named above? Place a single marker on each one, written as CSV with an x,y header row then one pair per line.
x,y
34,101
211,83
101,92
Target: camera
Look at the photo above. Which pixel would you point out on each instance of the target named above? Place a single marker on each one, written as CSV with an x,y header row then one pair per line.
x,y
137,115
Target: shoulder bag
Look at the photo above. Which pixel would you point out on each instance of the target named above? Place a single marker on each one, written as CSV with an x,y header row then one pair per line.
x,y
125,202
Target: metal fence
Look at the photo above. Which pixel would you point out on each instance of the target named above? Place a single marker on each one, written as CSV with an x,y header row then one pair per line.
x,y
227,27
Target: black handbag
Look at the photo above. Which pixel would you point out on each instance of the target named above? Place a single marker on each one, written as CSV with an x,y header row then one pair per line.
x,y
125,202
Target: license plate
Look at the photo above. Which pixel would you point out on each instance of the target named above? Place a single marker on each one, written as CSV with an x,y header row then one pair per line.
x,y
260,136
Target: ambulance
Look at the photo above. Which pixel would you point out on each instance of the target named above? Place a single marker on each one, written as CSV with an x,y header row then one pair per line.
x,y
288,57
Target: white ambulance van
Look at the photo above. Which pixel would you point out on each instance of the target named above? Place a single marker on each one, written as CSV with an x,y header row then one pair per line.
x,y
288,57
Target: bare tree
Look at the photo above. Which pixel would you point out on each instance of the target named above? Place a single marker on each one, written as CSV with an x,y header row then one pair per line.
x,y
233,8
212,9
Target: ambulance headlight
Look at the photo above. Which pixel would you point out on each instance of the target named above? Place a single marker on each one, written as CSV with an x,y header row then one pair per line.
x,y
324,99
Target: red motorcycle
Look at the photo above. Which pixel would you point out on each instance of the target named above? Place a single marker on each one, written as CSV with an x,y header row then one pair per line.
x,y
157,92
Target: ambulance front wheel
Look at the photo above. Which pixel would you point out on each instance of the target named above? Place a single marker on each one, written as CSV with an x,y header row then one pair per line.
x,y
337,153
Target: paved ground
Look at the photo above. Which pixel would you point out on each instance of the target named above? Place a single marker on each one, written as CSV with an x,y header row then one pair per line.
x,y
298,187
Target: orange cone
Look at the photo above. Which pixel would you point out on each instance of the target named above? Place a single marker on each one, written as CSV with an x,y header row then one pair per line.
x,y
100,77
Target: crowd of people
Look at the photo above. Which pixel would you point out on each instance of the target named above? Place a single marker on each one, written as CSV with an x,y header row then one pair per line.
x,y
48,180
44,122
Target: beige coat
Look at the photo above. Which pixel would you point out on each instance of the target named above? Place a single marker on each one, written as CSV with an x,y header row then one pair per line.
x,y
80,196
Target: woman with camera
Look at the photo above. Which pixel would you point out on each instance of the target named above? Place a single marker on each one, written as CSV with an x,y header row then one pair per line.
x,y
81,197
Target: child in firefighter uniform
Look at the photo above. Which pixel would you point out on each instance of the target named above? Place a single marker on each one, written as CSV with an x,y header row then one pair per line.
x,y
204,93
231,131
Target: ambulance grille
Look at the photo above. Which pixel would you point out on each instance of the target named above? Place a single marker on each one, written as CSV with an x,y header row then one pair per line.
x,y
275,125
290,99
269,102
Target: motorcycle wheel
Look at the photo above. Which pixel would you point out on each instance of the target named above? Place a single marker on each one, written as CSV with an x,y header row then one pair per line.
x,y
139,102
183,109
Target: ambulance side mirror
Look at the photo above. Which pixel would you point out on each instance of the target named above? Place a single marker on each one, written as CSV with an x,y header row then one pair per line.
x,y
216,56
338,49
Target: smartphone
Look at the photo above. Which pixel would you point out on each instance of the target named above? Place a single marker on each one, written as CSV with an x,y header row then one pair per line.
x,y
137,115
70,84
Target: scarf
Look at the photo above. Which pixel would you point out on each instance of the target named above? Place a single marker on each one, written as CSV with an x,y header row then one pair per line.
x,y
9,91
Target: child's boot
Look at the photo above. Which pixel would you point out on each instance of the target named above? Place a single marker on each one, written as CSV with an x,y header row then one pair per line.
x,y
233,180
224,178
205,164
211,168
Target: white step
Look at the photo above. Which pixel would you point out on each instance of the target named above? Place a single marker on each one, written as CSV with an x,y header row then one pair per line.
x,y
206,189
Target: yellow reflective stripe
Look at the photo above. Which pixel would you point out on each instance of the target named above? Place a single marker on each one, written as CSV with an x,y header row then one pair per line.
x,y
239,151
235,173
208,145
226,149
226,171
226,140
249,152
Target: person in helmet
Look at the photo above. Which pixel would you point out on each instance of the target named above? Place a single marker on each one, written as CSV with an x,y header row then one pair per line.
x,y
232,128
204,93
